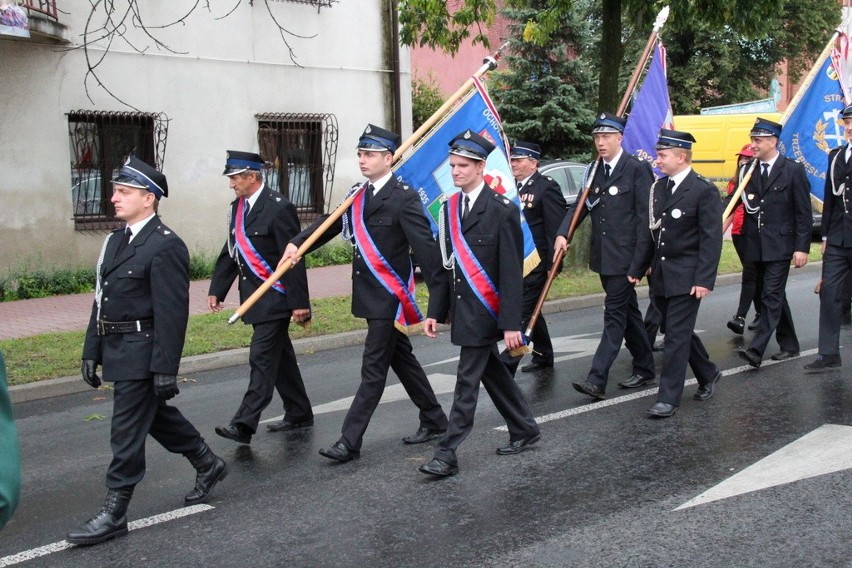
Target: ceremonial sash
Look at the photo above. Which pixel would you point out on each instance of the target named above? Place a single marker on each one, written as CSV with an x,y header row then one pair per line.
x,y
407,313
253,260
473,272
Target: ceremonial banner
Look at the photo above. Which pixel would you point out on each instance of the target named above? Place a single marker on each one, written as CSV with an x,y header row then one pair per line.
x,y
651,111
427,168
814,127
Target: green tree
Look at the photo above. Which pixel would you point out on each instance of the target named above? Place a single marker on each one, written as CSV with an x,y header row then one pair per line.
x,y
545,92
426,98
719,50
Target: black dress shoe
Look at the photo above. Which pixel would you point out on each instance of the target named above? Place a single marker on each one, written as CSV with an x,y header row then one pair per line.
x,y
284,425
824,363
750,357
110,522
662,410
636,381
236,432
439,468
784,355
340,453
423,434
755,323
705,392
737,324
590,389
536,366
518,446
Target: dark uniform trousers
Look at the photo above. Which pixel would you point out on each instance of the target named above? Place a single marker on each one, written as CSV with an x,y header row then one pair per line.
x,y
483,363
776,311
492,230
137,411
273,367
622,319
619,224
540,336
833,296
387,347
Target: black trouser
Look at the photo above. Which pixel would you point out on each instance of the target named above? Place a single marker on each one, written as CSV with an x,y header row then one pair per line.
x,y
482,363
776,316
540,336
387,347
273,366
750,288
137,412
622,322
833,296
682,346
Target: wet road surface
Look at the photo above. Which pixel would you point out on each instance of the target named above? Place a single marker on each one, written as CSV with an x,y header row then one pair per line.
x,y
602,488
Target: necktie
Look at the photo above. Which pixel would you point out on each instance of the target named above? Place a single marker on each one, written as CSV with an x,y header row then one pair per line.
x,y
246,208
520,185
466,208
669,188
607,170
125,240
764,175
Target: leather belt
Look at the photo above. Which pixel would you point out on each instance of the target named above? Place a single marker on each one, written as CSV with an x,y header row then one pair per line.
x,y
110,327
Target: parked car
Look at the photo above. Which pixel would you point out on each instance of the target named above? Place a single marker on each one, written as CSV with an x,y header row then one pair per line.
x,y
569,176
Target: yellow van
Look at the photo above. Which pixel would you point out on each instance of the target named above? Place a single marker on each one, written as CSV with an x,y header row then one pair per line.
x,y
718,139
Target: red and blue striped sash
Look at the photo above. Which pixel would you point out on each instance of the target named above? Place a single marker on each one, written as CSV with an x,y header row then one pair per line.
x,y
253,260
408,313
473,272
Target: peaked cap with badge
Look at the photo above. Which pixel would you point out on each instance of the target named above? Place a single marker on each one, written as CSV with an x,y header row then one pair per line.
x,y
377,139
608,122
670,139
523,149
763,127
136,173
471,145
237,162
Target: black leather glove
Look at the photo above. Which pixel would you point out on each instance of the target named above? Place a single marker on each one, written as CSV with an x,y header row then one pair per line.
x,y
165,386
89,371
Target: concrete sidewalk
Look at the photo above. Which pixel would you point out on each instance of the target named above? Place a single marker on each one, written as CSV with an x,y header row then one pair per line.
x,y
25,318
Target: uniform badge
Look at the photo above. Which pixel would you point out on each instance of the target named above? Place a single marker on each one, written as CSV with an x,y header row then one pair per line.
x,y
597,190
368,130
467,134
613,190
167,232
676,213
750,196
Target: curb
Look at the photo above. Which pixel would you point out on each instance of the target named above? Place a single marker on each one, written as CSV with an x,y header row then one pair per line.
x,y
235,357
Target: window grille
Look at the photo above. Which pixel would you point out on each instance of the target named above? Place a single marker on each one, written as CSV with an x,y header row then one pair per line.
x,y
100,143
302,149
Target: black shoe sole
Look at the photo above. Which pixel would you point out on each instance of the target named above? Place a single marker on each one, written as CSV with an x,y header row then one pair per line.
x,y
292,426
339,459
512,451
744,356
638,385
411,441
97,540
579,388
237,439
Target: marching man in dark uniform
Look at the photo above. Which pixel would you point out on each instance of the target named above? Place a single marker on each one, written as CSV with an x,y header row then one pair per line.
x,y
544,208
686,225
618,207
481,240
385,223
261,223
136,334
836,250
776,229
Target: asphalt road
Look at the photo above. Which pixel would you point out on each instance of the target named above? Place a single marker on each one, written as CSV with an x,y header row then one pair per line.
x,y
766,460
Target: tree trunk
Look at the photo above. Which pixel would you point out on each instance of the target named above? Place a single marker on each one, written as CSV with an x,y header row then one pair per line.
x,y
612,52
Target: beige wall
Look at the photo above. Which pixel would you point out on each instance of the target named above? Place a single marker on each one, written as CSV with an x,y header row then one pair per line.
x,y
232,69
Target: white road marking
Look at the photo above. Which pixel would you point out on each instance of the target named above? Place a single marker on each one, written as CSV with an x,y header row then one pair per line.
x,y
648,392
441,383
131,526
825,450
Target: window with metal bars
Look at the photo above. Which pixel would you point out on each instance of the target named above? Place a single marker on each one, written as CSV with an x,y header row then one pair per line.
x,y
100,143
302,149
